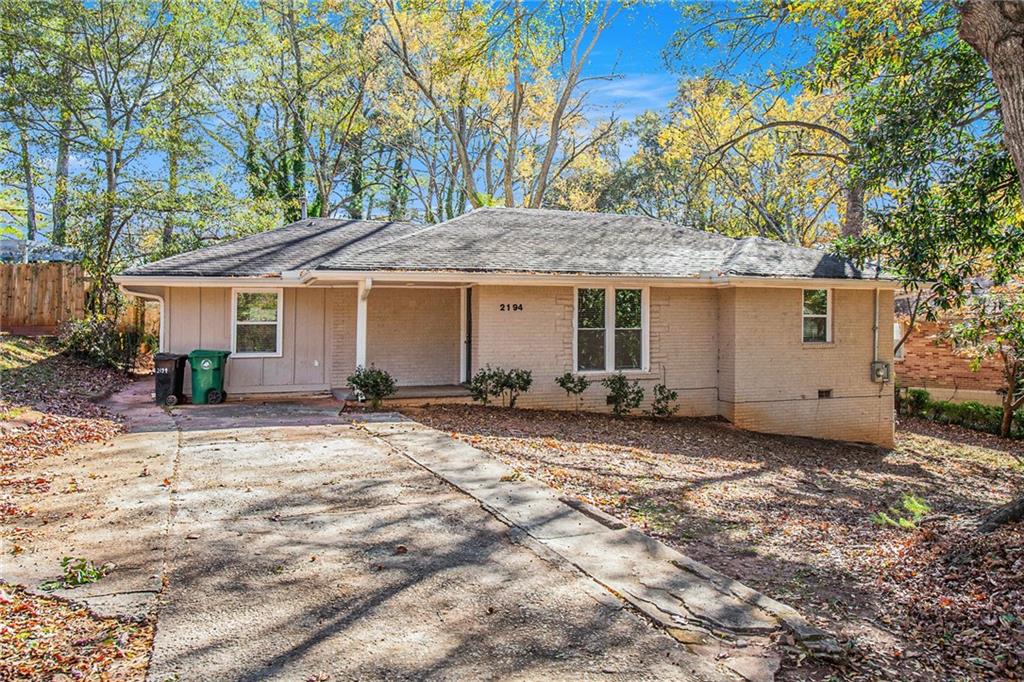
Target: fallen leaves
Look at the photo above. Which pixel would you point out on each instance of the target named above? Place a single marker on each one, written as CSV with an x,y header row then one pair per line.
x,y
44,638
791,517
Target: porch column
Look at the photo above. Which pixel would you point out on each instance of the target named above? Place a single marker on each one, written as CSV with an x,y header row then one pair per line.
x,y
362,292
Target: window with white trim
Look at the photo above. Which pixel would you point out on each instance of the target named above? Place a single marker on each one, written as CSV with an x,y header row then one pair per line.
x,y
610,329
897,334
817,315
257,328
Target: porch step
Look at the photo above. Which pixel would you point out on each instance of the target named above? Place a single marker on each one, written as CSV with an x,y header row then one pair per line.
x,y
446,392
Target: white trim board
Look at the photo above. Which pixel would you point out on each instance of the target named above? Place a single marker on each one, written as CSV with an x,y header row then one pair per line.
x,y
279,321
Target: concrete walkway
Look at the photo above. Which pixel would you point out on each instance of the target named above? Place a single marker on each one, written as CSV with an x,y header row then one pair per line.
x,y
303,547
710,612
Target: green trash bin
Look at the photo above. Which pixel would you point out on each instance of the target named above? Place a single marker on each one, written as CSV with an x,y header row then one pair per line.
x,y
208,376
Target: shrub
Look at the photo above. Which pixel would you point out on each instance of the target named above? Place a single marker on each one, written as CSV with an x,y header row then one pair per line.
x,y
490,383
915,508
623,395
917,401
573,385
662,405
97,340
373,384
484,385
514,382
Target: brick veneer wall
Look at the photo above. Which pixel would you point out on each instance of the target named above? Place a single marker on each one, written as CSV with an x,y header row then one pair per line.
x,y
734,352
930,362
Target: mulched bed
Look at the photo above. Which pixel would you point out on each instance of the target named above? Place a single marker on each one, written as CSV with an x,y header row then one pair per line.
x,y
792,517
49,639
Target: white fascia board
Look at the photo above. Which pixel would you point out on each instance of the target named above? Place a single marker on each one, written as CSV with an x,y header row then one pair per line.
x,y
352,278
191,281
466,278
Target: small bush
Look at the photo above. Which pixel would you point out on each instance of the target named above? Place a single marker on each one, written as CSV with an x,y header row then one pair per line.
x,y
662,404
573,385
97,340
484,385
372,384
623,395
914,507
917,401
490,383
513,383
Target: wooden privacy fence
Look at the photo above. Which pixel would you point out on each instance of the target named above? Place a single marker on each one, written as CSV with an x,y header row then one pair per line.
x,y
35,298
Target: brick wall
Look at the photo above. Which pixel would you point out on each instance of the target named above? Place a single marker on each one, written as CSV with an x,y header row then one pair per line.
x,y
414,334
930,362
776,377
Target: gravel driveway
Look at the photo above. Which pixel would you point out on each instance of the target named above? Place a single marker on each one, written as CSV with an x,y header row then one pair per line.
x,y
301,548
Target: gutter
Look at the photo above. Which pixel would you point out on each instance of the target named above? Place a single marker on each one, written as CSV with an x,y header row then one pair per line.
x,y
351,278
150,297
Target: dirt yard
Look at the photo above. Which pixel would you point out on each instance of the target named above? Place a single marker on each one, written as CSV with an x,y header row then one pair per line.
x,y
793,517
47,408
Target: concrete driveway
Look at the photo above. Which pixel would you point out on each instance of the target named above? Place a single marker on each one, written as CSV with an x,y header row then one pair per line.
x,y
300,547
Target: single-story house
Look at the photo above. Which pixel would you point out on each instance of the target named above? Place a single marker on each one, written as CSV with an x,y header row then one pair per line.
x,y
772,337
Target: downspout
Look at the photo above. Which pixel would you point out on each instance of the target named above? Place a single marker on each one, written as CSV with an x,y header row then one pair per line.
x,y
151,297
874,355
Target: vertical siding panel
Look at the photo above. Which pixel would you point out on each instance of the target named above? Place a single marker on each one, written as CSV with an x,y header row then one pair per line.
x,y
281,371
309,339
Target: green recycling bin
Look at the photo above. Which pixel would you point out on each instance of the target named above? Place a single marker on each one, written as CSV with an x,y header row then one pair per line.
x,y
208,376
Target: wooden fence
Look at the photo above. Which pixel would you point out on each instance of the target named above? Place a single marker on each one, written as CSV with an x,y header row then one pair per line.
x,y
35,298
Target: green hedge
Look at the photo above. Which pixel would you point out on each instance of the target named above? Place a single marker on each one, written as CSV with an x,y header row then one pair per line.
x,y
970,414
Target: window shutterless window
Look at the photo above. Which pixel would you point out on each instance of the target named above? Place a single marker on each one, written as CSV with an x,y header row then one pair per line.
x,y
610,329
256,330
817,315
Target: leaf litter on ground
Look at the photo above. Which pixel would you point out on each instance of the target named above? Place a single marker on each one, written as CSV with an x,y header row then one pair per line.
x,y
792,517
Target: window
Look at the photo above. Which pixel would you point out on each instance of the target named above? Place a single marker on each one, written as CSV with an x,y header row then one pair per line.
x,y
257,328
817,315
897,334
610,329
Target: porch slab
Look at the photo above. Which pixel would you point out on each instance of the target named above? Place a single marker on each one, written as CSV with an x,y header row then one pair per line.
x,y
445,392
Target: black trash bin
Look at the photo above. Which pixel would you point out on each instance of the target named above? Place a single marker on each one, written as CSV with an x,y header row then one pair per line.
x,y
170,377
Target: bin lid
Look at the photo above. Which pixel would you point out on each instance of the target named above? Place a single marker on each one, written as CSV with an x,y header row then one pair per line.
x,y
169,356
202,353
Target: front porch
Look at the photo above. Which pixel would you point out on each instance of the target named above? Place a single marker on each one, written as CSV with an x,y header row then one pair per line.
x,y
417,332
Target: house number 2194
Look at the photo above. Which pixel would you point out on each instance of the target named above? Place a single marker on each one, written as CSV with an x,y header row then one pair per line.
x,y
508,307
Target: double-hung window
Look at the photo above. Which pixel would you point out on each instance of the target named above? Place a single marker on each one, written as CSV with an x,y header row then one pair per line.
x,y
256,329
817,315
610,329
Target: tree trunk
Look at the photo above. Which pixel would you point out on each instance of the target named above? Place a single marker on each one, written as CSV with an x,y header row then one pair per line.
x,y
995,29
517,108
854,221
356,180
30,190
1008,513
60,183
172,194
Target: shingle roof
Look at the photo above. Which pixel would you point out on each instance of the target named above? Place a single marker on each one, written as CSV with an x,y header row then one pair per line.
x,y
299,246
548,241
507,240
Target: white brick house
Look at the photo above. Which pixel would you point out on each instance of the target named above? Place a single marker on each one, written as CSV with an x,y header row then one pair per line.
x,y
772,337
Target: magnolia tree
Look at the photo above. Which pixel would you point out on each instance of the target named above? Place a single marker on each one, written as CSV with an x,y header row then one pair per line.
x,y
992,326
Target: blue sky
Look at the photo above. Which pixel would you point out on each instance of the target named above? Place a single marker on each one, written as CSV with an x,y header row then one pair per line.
x,y
632,48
